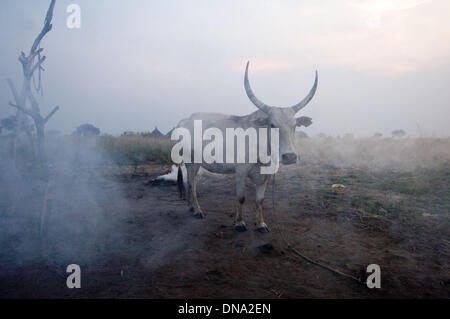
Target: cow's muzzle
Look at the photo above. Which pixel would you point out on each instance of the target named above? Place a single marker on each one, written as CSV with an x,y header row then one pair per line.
x,y
288,158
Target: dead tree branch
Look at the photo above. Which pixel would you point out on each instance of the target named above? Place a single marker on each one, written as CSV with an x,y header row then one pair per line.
x,y
38,64
21,109
47,27
29,66
13,90
51,114
20,120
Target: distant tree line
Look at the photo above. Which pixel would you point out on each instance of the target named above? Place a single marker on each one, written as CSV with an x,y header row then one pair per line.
x,y
86,130
155,133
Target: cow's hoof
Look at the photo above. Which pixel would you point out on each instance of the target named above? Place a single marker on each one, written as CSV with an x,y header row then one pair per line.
x,y
240,227
263,228
199,215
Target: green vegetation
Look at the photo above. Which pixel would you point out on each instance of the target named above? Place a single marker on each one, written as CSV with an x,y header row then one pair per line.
x,y
374,206
379,198
136,150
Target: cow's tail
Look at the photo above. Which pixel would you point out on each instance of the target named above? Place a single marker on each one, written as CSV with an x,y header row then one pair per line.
x,y
180,182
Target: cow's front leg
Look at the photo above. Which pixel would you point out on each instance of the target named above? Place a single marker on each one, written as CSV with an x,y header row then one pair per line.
x,y
260,190
239,223
198,212
193,204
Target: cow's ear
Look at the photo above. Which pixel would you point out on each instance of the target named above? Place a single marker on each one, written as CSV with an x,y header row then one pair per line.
x,y
304,121
261,121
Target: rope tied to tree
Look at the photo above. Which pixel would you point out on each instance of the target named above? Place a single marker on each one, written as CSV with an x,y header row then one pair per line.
x,y
39,87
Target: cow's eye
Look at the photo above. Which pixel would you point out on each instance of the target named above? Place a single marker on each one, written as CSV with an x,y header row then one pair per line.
x,y
272,126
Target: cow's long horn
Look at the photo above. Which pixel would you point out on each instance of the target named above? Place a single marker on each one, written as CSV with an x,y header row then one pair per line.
x,y
308,98
260,105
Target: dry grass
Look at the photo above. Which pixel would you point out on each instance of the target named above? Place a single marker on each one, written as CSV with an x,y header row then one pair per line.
x,y
375,155
135,150
404,155
121,150
388,179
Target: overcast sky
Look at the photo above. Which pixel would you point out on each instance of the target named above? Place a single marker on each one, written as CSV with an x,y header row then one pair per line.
x,y
383,64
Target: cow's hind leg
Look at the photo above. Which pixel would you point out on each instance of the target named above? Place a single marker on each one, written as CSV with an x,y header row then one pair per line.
x,y
260,190
239,223
193,204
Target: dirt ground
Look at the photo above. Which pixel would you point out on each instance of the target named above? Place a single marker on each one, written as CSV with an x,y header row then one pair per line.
x,y
148,245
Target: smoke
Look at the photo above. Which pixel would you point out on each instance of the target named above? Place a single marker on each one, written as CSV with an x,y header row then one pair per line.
x,y
407,155
101,217
76,225
97,214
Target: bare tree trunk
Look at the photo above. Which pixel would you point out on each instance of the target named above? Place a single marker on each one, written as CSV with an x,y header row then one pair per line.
x,y
40,144
31,141
19,116
29,66
20,100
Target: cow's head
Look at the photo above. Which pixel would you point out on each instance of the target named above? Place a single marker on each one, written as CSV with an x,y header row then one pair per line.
x,y
284,119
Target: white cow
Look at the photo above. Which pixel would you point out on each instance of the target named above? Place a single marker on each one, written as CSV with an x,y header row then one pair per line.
x,y
266,116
